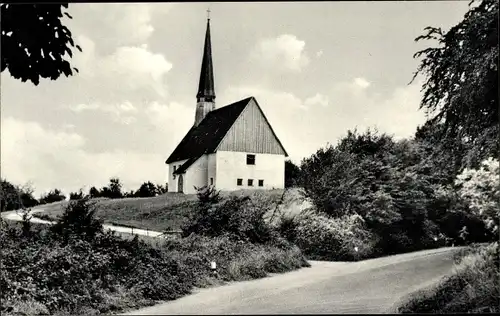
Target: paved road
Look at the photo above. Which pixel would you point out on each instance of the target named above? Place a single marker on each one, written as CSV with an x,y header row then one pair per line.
x,y
370,286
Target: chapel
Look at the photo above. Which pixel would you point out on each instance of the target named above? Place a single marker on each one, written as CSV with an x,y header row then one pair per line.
x,y
230,147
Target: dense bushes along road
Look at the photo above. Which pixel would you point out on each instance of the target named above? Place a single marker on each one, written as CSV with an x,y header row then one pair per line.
x,y
75,267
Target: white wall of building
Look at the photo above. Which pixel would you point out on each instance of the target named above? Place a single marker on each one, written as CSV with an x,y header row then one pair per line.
x,y
196,175
212,169
232,165
172,183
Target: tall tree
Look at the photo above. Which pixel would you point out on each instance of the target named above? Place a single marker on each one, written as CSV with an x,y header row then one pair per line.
x,y
35,44
461,81
115,188
292,174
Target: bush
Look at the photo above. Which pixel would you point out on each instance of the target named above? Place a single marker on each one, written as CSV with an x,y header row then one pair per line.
x,y
391,185
13,197
51,197
237,216
324,238
292,174
480,189
75,267
147,189
76,195
473,287
78,221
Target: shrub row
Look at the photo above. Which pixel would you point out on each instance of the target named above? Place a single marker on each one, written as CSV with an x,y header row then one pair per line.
x,y
474,287
75,267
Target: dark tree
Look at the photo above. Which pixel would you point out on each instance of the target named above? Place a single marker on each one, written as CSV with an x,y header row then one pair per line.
x,y
115,188
161,189
14,197
53,196
76,195
94,193
147,189
35,44
461,80
9,196
292,174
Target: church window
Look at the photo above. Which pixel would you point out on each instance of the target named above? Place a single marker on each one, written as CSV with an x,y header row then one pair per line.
x,y
261,183
175,167
239,181
250,159
211,181
250,182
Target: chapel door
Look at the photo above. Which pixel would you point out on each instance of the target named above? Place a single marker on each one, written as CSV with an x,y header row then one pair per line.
x,y
181,184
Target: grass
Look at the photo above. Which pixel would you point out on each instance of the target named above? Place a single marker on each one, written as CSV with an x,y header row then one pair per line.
x,y
164,212
473,287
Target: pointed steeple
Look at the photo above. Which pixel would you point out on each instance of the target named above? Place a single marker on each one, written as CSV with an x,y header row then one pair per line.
x,y
205,98
206,90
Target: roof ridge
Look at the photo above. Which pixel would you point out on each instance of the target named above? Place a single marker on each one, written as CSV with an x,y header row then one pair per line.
x,y
206,136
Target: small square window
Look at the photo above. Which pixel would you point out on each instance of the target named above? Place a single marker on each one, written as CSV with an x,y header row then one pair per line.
x,y
239,181
250,182
250,159
261,183
211,181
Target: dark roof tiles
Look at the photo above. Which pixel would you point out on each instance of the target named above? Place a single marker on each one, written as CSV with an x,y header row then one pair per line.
x,y
204,138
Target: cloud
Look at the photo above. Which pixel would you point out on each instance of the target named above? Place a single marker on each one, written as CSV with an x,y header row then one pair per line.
x,y
125,23
120,112
126,71
317,99
319,53
285,50
171,120
395,113
57,159
361,82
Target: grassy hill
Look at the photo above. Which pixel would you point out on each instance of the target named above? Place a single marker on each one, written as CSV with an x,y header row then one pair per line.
x,y
164,212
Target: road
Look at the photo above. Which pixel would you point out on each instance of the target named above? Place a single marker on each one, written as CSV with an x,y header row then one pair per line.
x,y
370,286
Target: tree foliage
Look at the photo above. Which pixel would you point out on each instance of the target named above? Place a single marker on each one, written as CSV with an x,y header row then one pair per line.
x,y
292,174
147,189
35,43
114,189
461,85
15,197
76,195
78,221
51,197
480,188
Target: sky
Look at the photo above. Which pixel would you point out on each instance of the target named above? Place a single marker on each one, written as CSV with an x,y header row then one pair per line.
x,y
317,69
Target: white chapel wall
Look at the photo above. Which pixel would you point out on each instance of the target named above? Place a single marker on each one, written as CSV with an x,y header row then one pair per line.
x,y
196,175
231,165
172,183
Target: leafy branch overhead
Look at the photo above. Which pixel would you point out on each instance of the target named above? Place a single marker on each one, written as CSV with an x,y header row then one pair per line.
x,y
35,44
461,86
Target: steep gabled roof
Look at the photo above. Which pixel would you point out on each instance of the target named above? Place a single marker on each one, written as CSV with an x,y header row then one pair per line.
x,y
206,136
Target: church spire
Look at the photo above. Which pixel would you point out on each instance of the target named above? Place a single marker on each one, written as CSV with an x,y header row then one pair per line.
x,y
206,90
205,98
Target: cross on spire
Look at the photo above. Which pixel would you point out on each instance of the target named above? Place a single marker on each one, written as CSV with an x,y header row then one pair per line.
x,y
208,13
